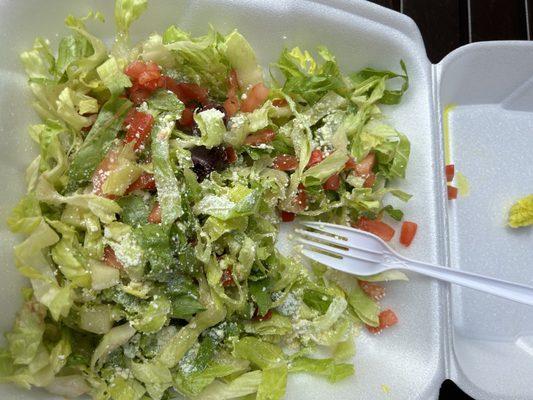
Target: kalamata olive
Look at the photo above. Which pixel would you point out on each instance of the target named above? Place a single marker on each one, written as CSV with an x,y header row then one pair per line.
x,y
207,160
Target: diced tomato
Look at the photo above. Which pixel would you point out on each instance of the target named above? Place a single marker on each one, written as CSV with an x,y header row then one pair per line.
x,y
264,136
285,162
452,192
375,291
259,318
145,74
139,129
364,168
139,94
350,164
408,232
227,277
332,183
316,157
129,117
187,117
378,228
450,172
279,102
144,182
135,69
369,182
155,214
231,105
110,258
101,172
287,216
301,197
255,97
231,154
233,81
188,93
387,318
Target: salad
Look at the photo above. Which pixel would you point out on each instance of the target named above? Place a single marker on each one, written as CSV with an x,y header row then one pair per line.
x,y
150,221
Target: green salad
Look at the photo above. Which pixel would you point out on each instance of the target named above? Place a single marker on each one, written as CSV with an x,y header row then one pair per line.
x,y
165,171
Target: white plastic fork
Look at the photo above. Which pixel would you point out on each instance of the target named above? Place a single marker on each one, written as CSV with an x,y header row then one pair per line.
x,y
361,253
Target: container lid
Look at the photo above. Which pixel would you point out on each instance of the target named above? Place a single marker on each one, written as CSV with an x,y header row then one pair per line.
x,y
485,96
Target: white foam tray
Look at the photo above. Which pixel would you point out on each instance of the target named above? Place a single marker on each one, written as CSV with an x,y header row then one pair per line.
x,y
483,343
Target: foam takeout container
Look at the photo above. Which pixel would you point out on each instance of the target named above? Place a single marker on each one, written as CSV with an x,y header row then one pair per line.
x,y
483,343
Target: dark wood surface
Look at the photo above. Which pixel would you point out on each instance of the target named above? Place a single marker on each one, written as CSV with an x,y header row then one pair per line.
x,y
448,24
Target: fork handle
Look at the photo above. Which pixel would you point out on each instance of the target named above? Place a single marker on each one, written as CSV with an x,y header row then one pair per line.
x,y
508,290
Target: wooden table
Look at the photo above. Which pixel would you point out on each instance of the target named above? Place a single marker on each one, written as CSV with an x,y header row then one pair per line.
x,y
448,24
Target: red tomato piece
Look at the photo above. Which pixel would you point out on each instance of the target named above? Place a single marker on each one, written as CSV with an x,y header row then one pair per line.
x,y
316,157
373,290
145,74
408,233
279,102
255,97
364,168
452,192
188,93
264,136
259,318
139,129
378,228
227,277
332,183
110,258
144,182
231,154
135,69
287,216
301,197
387,318
129,117
139,94
285,162
350,164
450,172
369,182
231,106
187,117
233,81
109,163
155,214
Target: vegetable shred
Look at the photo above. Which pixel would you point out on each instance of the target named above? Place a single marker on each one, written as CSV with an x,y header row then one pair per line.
x,y
166,169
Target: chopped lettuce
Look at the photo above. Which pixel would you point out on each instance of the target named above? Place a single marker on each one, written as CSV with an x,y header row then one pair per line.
x,y
152,259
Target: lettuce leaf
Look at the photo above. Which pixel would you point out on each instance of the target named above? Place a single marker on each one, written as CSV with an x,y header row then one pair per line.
x,y
97,142
326,367
168,190
27,333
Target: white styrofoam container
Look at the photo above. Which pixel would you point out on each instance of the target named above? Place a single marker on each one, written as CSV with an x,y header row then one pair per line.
x,y
483,343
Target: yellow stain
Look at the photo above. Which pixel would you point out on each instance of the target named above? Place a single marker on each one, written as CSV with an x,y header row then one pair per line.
x,y
446,129
462,184
385,389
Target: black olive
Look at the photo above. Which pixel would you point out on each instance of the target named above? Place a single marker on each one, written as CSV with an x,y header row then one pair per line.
x,y
207,160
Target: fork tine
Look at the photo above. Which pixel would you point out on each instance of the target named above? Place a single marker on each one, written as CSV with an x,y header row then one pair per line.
x,y
334,240
343,265
339,252
352,235
321,258
324,227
